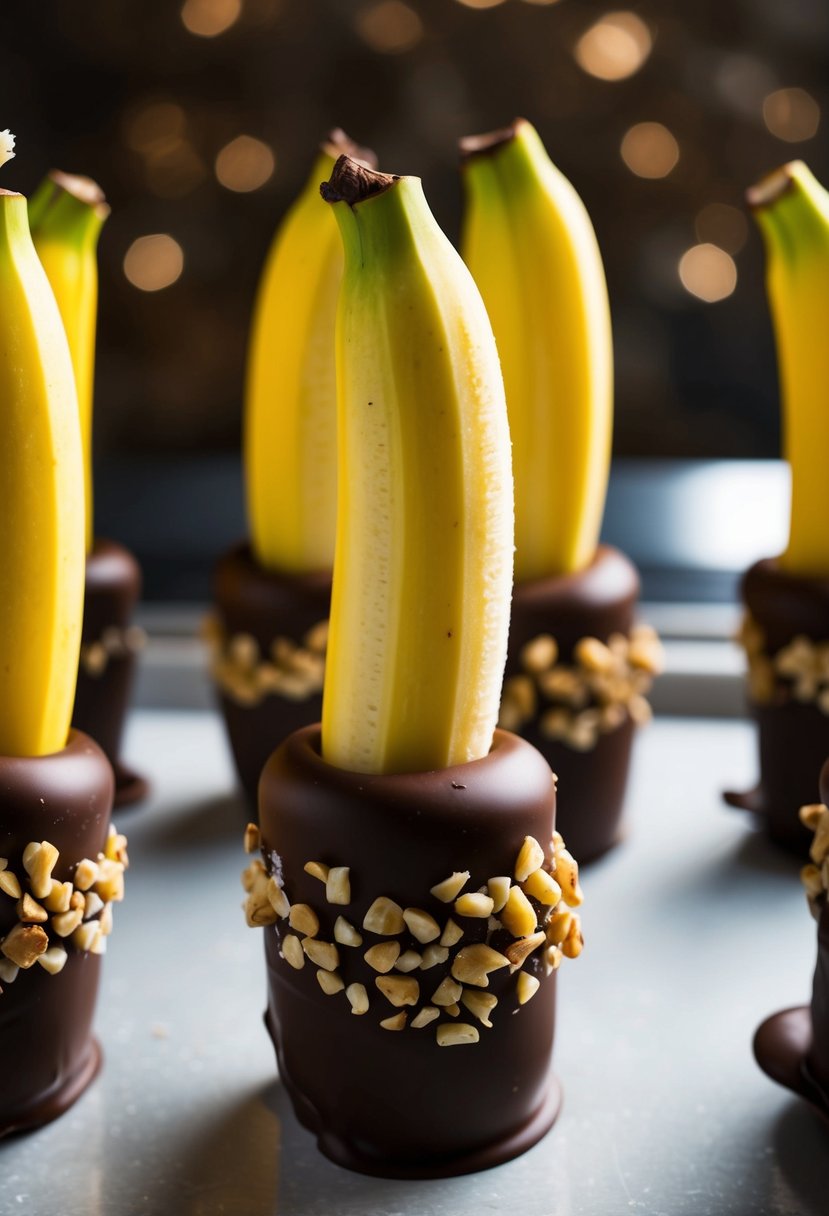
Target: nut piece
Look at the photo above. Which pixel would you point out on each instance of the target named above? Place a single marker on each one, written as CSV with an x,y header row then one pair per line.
x,y
110,881
451,1034
433,956
539,654
384,918
105,920
338,885
426,1015
499,890
447,992
552,958
86,873
317,870
357,998
408,961
330,982
251,840
810,816
452,934
517,952
65,923
518,914
345,933
39,860
24,944
396,1022
9,884
8,971
472,964
543,887
85,936
573,943
526,987
324,954
383,956
421,925
58,898
292,952
480,1004
30,910
399,989
53,960
567,876
558,926
304,919
277,898
474,904
530,858
451,887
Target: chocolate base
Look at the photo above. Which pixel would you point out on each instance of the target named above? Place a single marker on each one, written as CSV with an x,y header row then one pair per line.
x,y
394,1103
113,585
596,602
47,1053
793,736
266,604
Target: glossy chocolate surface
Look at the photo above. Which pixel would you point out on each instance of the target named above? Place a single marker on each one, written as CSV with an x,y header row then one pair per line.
x,y
395,1103
113,585
266,605
793,736
47,1053
595,602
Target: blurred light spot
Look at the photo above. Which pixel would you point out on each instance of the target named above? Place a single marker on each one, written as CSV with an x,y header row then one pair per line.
x,y
390,26
743,80
708,272
245,164
154,124
153,262
480,3
649,150
723,225
614,47
540,2
791,114
207,18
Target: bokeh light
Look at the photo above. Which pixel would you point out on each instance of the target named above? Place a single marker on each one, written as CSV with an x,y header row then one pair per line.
x,y
614,47
153,125
540,2
791,114
208,18
389,26
480,3
708,272
649,150
245,164
722,224
154,262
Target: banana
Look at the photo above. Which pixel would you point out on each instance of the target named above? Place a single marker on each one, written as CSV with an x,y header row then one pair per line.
x,y
792,210
423,566
66,215
529,243
290,403
41,491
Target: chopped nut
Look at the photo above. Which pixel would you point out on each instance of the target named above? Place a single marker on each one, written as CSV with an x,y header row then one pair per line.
x,y
9,884
552,958
116,847
251,838
316,639
39,860
338,885
31,911
90,906
567,876
78,900
384,918
451,887
474,904
408,961
820,844
447,992
277,898
499,890
573,943
452,934
421,925
472,964
518,914
451,1034
357,998
4,863
23,945
317,870
383,956
58,898
396,1022
304,919
539,654
330,982
480,1005
426,1015
53,960
324,954
558,926
8,971
526,987
345,933
399,989
433,956
518,951
110,881
453,1010
65,923
105,920
810,816
86,873
99,943
543,887
258,912
292,952
529,859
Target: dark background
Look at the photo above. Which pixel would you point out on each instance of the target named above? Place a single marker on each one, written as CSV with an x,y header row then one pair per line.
x,y
124,91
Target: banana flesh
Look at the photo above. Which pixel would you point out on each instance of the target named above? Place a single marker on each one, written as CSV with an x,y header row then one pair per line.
x,y
528,240
423,568
41,489
792,210
66,215
290,447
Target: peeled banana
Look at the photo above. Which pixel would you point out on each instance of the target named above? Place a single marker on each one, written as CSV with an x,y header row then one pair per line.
x,y
792,210
290,404
66,215
423,568
41,491
528,240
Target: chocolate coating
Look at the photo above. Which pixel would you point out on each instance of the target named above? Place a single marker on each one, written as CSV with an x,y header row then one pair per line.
x,y
113,585
595,602
47,1053
394,1103
793,736
266,605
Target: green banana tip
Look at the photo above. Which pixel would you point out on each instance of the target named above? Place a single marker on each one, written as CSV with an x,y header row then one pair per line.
x,y
84,189
773,186
471,146
352,182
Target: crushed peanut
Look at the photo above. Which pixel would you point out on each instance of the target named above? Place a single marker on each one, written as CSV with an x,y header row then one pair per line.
x,y
244,674
304,919
519,951
473,964
518,915
324,954
23,945
452,934
434,956
357,998
529,859
542,886
292,952
345,933
526,987
448,992
399,989
383,956
330,982
317,870
396,1022
451,1034
421,925
480,1005
474,904
251,839
384,917
426,1015
410,960
338,885
451,887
